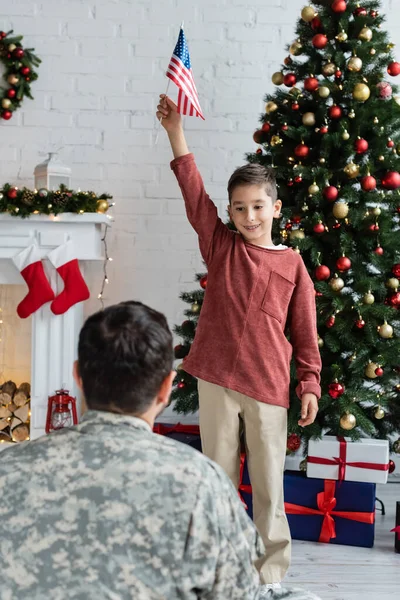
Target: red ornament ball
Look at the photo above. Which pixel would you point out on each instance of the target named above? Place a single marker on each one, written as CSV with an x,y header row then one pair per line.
x,y
390,144
331,321
181,385
385,89
311,84
335,112
289,226
12,193
339,6
258,136
295,106
392,466
284,127
290,80
293,442
343,263
391,181
301,151
258,151
360,11
316,23
11,93
324,129
394,69
361,145
296,219
368,183
18,53
373,227
290,183
319,228
322,272
379,250
396,270
394,300
331,193
2,35
180,351
25,71
360,323
266,127
203,282
320,41
337,225
335,390
6,115
379,371
373,13
338,74
298,179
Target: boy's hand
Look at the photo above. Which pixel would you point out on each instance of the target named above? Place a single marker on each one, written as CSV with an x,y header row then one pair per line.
x,y
309,409
167,110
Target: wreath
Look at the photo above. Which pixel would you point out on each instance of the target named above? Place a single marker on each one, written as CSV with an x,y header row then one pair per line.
x,y
19,65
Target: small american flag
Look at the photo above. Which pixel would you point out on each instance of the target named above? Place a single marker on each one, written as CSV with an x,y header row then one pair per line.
x,y
180,72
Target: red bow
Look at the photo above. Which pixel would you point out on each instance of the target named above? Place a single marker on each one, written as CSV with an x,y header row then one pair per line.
x,y
178,428
396,530
341,461
326,502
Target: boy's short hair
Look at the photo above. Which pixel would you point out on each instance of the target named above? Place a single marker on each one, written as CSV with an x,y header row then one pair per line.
x,y
124,354
254,174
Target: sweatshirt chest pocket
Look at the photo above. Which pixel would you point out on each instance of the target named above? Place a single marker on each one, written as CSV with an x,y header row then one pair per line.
x,y
277,296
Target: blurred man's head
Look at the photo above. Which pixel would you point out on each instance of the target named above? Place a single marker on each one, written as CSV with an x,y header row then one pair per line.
x,y
125,359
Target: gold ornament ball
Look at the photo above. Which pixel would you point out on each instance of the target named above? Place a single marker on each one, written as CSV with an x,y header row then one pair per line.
x,y
6,103
345,135
368,298
372,51
320,342
12,79
179,367
376,211
277,78
324,91
348,421
329,69
365,34
303,465
276,140
393,283
294,91
352,170
342,36
195,308
381,157
361,92
352,114
340,210
379,413
296,48
370,370
337,284
313,189
322,161
397,99
309,119
297,234
385,331
307,14
354,64
102,206
271,107
11,47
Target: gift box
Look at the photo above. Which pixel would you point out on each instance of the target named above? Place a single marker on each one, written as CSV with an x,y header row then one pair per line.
x,y
396,530
330,512
344,460
186,434
245,492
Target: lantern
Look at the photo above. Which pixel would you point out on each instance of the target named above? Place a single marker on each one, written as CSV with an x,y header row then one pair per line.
x,y
61,411
52,173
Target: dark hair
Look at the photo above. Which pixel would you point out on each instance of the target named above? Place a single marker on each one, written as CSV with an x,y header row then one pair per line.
x,y
253,174
124,354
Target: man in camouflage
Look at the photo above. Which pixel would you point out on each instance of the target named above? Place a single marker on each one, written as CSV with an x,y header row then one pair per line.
x,y
110,510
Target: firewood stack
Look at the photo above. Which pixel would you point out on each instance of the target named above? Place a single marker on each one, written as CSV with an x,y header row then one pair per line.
x,y
15,412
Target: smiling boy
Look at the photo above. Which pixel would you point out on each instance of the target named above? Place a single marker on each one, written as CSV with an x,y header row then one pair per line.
x,y
240,354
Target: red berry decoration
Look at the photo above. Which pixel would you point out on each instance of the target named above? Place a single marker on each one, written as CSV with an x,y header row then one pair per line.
x,y
343,263
11,93
360,145
360,12
25,71
392,466
322,272
18,53
339,6
360,323
335,112
319,228
379,250
295,106
12,193
331,193
396,270
324,129
6,115
335,390
266,127
368,183
394,69
290,80
391,181
320,41
301,151
316,23
293,442
203,282
331,321
379,371
311,84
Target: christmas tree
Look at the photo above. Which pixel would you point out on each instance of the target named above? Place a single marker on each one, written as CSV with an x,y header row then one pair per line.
x,y
331,129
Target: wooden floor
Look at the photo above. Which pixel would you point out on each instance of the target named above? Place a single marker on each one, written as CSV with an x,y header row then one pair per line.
x,y
349,573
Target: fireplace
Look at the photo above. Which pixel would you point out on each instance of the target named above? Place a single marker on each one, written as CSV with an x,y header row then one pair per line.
x,y
47,343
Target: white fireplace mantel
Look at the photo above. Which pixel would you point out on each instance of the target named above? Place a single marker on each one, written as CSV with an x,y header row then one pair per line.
x,y
54,337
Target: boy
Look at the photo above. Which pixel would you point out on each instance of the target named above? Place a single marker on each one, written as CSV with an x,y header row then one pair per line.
x,y
240,354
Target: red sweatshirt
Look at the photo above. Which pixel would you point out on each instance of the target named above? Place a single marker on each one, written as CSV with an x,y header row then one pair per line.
x,y
252,295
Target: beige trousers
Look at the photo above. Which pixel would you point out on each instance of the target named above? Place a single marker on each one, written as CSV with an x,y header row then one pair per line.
x,y
223,415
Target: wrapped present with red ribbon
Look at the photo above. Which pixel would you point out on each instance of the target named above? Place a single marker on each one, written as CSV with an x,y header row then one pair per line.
x,y
186,434
396,530
329,512
344,460
245,492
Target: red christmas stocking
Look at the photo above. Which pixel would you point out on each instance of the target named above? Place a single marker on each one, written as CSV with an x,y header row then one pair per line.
x,y
29,263
75,289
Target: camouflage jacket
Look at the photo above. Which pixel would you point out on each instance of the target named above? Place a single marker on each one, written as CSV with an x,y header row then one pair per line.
x,y
110,510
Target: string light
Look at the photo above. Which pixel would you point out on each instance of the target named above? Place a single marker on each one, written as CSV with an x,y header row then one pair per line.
x,y
107,259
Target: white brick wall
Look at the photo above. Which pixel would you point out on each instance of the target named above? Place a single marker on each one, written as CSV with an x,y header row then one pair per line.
x,y
103,67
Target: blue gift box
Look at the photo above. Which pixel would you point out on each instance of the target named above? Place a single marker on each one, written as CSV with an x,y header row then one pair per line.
x,y
352,498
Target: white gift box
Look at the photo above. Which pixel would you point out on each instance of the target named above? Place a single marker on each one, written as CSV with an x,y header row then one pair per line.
x,y
365,460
